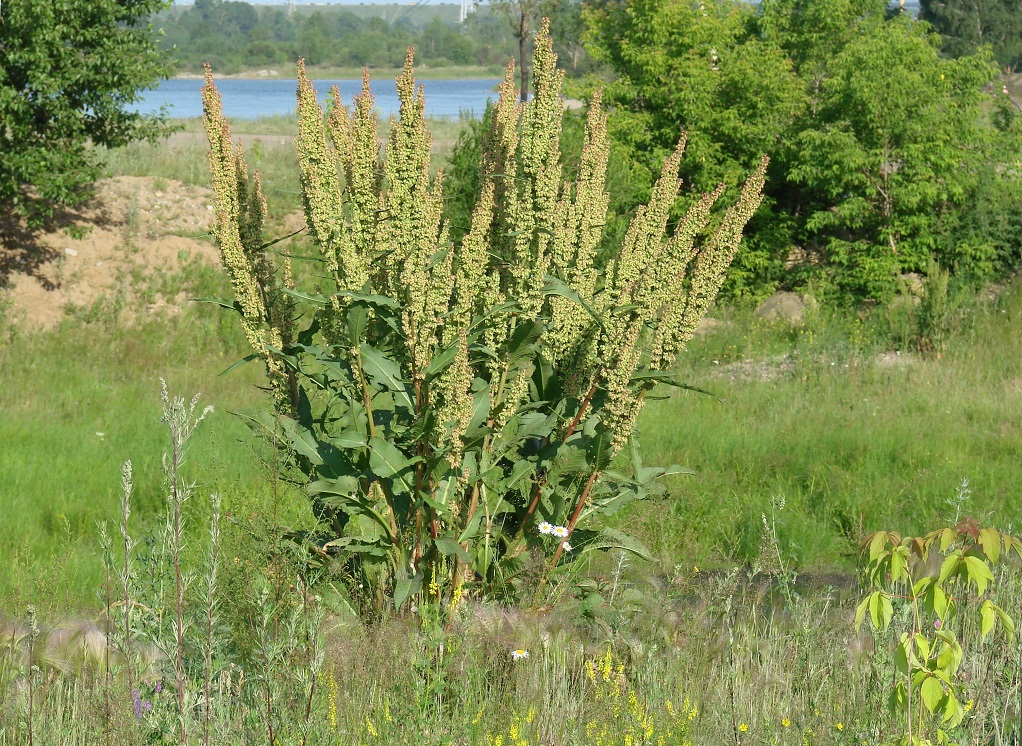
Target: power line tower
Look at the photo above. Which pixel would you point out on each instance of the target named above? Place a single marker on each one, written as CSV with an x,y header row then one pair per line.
x,y
467,6
290,7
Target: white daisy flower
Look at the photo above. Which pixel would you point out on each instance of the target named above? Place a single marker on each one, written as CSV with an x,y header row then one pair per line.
x,y
560,532
546,528
567,547
519,655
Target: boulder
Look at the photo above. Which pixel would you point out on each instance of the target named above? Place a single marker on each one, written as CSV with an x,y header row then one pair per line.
x,y
784,306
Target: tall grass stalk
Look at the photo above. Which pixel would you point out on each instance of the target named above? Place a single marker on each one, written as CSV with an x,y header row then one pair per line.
x,y
127,569
181,421
212,603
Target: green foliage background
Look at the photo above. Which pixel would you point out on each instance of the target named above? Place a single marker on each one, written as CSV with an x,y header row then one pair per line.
x,y
883,150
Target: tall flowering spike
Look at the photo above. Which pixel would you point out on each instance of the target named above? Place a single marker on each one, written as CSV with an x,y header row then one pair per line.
x,y
417,266
645,233
356,141
239,210
665,281
671,294
470,284
452,397
622,405
321,190
580,218
499,167
225,229
715,257
539,178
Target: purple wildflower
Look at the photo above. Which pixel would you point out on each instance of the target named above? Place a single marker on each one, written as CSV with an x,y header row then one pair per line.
x,y
140,706
938,624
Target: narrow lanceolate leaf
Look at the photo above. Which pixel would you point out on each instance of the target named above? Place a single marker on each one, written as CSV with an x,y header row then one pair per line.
x,y
656,376
449,547
385,373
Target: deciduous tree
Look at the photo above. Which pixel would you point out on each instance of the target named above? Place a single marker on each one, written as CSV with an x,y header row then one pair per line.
x,y
69,72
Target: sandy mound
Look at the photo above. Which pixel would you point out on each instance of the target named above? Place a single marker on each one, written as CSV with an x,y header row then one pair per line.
x,y
136,232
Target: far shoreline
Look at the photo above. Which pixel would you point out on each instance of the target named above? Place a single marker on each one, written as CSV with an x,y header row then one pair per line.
x,y
354,73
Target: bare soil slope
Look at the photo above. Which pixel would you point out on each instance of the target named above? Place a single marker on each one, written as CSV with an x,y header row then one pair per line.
x,y
135,232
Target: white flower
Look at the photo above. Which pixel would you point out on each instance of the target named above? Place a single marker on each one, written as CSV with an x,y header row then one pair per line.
x,y
567,547
546,528
519,655
560,532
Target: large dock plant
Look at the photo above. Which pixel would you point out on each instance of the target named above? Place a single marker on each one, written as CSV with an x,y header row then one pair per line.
x,y
444,400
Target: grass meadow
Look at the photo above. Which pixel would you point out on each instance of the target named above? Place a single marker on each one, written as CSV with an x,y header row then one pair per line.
x,y
741,632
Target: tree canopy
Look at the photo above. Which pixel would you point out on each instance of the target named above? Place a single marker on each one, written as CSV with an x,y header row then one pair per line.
x,y
69,69
880,145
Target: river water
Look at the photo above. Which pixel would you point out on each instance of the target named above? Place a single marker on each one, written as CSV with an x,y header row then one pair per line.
x,y
251,99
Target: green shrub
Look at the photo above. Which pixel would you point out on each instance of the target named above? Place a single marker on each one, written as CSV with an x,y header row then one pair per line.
x,y
454,408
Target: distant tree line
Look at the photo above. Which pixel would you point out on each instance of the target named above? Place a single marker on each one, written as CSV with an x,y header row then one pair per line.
x,y
234,36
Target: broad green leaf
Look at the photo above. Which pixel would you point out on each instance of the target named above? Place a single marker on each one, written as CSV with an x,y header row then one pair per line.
x,y
405,587
349,439
932,693
990,541
339,486
922,647
876,545
860,612
522,345
448,547
986,617
979,573
239,363
386,460
440,362
939,597
1007,623
557,286
316,300
950,566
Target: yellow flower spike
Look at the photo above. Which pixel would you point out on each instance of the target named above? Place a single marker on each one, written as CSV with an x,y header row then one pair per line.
x,y
692,713
370,727
968,706
331,694
531,716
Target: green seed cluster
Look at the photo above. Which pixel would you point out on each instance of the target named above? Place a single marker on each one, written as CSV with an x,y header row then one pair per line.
x,y
532,237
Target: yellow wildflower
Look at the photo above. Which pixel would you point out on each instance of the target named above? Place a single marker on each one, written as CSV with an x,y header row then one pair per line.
x,y
785,722
840,726
743,727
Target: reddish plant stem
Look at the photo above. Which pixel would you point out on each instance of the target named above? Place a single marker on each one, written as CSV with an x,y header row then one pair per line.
x,y
537,488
